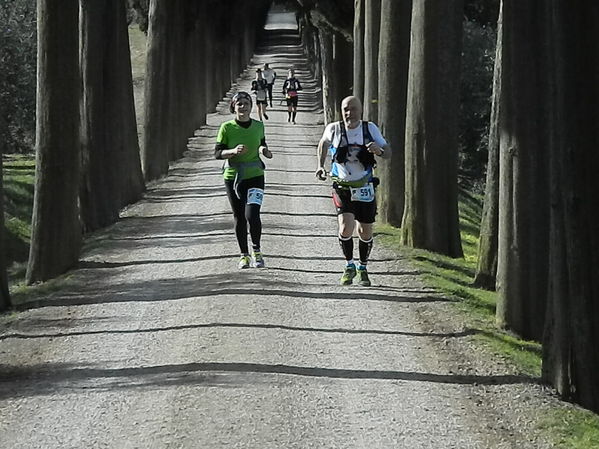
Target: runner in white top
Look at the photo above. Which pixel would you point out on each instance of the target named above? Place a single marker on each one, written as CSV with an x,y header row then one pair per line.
x,y
270,76
353,145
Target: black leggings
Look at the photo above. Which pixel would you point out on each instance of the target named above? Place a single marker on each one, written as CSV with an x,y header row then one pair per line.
x,y
244,213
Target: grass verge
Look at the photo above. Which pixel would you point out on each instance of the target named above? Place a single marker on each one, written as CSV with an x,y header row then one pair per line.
x,y
18,180
571,427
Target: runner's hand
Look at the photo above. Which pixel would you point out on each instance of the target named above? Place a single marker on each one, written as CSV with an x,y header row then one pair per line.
x,y
266,152
321,174
374,148
240,149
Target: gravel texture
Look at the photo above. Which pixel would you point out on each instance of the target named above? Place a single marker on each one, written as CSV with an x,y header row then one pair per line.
x,y
157,340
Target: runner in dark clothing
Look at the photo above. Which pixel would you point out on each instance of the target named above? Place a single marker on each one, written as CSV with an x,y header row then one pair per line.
x,y
260,88
290,88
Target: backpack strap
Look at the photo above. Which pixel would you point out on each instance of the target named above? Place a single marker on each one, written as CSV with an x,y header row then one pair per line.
x,y
366,133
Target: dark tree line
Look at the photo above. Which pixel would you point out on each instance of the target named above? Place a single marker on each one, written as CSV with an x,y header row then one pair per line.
x,y
539,244
88,161
539,237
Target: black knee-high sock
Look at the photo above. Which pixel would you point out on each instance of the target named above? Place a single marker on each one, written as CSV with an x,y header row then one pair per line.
x,y
364,247
347,246
288,115
294,114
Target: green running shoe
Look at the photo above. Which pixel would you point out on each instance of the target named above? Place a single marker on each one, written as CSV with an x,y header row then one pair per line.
x,y
258,259
348,275
244,261
363,277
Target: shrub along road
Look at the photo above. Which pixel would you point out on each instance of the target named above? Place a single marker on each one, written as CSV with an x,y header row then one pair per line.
x,y
157,340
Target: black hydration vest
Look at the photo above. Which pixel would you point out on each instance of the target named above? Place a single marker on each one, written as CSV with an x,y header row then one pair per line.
x,y
365,157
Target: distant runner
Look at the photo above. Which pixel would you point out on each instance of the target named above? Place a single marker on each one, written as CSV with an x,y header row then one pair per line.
x,y
270,76
290,89
241,142
353,145
260,88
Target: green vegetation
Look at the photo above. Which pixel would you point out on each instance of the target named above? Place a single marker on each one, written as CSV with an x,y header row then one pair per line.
x,y
18,50
18,179
454,278
571,428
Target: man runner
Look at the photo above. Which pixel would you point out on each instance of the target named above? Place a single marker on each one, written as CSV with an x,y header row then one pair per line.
x,y
353,145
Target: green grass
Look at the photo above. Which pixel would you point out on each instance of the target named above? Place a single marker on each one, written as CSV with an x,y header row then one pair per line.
x,y
18,180
572,428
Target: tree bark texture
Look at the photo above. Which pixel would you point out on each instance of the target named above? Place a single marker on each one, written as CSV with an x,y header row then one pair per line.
x,y
155,148
571,359
486,268
358,87
522,266
328,70
5,301
394,57
372,24
342,59
56,229
430,219
111,169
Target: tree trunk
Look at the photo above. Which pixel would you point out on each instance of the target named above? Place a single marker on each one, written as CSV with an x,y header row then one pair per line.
x,y
155,149
394,57
358,89
5,302
56,236
571,359
196,71
111,172
430,219
523,243
343,58
328,69
372,24
486,269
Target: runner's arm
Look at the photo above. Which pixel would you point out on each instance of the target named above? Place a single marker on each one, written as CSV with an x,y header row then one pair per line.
x,y
263,149
323,146
222,152
379,147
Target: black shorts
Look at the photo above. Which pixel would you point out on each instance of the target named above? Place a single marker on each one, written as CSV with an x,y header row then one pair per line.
x,y
292,101
364,212
262,102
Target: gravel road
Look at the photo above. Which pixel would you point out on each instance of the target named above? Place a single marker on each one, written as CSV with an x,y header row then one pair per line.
x,y
157,340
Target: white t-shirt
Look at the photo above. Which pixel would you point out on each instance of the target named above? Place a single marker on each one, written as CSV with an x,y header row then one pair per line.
x,y
269,75
352,169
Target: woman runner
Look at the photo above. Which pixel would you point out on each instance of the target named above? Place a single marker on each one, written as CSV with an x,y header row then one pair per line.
x,y
241,142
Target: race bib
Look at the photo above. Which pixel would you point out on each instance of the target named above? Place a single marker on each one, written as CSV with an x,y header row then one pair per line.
x,y
364,194
255,196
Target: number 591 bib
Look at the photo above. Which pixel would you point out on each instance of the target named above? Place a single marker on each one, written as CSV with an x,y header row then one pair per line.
x,y
364,193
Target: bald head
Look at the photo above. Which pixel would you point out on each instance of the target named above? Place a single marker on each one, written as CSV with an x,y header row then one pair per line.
x,y
351,100
351,109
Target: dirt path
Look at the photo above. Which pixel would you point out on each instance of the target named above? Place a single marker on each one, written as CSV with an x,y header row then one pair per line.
x,y
158,341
